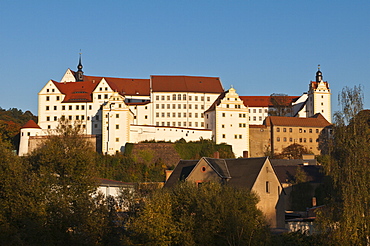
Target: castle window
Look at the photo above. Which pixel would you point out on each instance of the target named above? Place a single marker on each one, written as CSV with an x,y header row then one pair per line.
x,y
97,117
284,139
82,107
117,126
69,117
196,98
278,129
184,114
290,129
179,106
47,98
236,136
174,97
77,107
254,118
55,118
254,110
223,115
300,130
208,99
310,130
100,88
168,123
179,115
223,135
47,107
196,106
117,115
168,106
53,90
162,106
63,107
185,125
99,96
189,106
157,106
157,98
201,123
300,140
105,96
48,118
117,139
260,110
174,114
284,129
162,114
196,115
77,117
162,98
168,114
179,123
310,140
95,125
227,105
189,123
106,88
179,97
49,126
146,117
278,139
157,114
189,98
290,139
168,98
202,99
189,115
47,90
240,136
58,98
317,130
184,97
202,115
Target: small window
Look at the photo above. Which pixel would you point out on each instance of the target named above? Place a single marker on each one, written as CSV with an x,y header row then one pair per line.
x,y
63,107
58,98
278,129
55,107
105,96
99,96
117,139
117,126
278,139
267,187
290,130
117,115
179,97
47,107
223,135
284,129
47,98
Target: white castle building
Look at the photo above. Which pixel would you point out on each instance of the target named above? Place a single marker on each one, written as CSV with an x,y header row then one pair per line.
x,y
161,108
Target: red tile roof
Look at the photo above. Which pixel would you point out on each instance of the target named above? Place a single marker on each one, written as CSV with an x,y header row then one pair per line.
x,y
261,101
186,84
82,91
316,121
31,124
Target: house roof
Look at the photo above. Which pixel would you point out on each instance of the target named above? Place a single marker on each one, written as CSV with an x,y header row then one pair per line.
x,y
181,172
31,124
287,173
241,172
316,121
109,182
261,101
199,84
219,165
244,171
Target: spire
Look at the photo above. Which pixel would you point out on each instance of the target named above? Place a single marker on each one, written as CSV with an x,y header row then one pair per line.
x,y
79,73
319,74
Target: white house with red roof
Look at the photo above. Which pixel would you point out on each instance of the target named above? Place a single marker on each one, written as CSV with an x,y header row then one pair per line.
x,y
161,108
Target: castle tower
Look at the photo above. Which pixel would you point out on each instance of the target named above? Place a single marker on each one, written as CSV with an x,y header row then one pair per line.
x,y
79,73
319,97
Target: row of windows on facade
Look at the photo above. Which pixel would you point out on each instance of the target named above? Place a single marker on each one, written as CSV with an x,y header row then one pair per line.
x,y
255,110
241,125
301,140
300,130
70,117
70,107
180,124
236,136
178,115
163,106
180,97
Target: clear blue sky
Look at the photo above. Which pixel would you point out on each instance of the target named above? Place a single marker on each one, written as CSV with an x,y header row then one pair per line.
x,y
259,47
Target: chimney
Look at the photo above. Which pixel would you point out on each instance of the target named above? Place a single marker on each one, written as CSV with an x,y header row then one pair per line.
x,y
168,174
313,201
245,154
216,155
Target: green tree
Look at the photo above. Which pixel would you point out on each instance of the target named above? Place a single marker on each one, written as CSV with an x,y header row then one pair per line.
x,y
211,214
65,165
348,215
282,105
